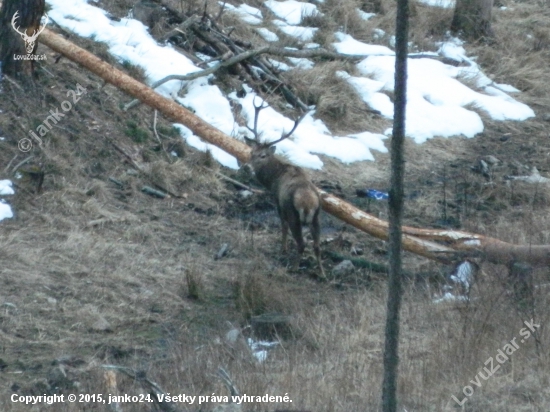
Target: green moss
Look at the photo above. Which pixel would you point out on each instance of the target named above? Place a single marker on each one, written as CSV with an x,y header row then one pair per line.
x,y
137,134
168,131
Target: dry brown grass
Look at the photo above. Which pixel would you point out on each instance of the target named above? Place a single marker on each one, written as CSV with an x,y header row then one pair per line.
x,y
336,101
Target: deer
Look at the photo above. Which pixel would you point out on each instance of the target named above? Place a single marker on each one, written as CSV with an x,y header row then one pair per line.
x,y
298,202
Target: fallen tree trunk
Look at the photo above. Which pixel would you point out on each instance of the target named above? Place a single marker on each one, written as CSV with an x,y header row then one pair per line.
x,y
418,241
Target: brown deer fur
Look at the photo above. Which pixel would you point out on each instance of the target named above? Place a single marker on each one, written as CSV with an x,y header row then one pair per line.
x,y
297,199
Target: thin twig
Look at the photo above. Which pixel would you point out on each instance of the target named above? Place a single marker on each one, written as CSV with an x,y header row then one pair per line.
x,y
21,163
9,164
222,9
10,80
155,127
237,183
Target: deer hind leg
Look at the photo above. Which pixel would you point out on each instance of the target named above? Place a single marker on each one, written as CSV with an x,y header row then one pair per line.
x,y
284,228
295,225
316,234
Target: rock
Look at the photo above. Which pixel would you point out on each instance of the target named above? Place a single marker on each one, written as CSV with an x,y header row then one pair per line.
x,y
244,194
343,268
101,325
492,160
482,167
222,252
232,336
357,251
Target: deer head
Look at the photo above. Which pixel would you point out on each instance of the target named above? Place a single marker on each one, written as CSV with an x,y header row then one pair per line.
x,y
261,152
29,40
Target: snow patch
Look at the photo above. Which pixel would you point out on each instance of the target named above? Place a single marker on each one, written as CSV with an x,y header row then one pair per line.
x,y
6,187
444,4
348,45
292,11
248,14
267,35
364,15
304,34
5,210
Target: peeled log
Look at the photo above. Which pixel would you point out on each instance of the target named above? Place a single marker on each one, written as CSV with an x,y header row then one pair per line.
x,y
418,241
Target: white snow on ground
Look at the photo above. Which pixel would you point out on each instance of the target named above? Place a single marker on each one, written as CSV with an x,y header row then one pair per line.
x,y
6,187
128,40
348,45
194,141
292,11
311,136
369,90
444,4
464,274
304,34
364,15
301,63
267,35
5,211
279,65
248,14
436,98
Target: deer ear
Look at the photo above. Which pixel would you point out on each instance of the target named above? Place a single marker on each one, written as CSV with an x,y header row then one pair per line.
x,y
272,149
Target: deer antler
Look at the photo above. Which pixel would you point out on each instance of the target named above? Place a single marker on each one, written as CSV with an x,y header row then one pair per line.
x,y
287,135
257,110
13,19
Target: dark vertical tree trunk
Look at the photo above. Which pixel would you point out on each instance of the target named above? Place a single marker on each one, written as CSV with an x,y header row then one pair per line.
x,y
472,18
11,42
395,209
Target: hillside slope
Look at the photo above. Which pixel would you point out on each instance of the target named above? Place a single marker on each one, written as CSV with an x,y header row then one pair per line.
x,y
94,271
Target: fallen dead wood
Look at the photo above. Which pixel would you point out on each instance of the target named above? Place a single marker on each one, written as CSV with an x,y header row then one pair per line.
x,y
418,241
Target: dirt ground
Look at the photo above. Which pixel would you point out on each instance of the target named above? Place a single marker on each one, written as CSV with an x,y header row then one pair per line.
x,y
95,272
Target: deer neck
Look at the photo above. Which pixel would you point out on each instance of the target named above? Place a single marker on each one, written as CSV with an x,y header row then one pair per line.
x,y
270,174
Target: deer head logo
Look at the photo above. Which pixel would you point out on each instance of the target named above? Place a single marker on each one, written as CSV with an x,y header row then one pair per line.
x,y
29,40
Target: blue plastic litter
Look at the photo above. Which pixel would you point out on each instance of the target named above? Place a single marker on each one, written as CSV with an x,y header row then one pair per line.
x,y
373,194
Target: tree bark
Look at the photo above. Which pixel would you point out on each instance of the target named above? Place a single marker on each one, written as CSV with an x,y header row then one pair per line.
x,y
29,13
395,212
418,241
472,18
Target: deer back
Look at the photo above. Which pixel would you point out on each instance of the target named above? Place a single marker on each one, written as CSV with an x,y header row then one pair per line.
x,y
289,184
